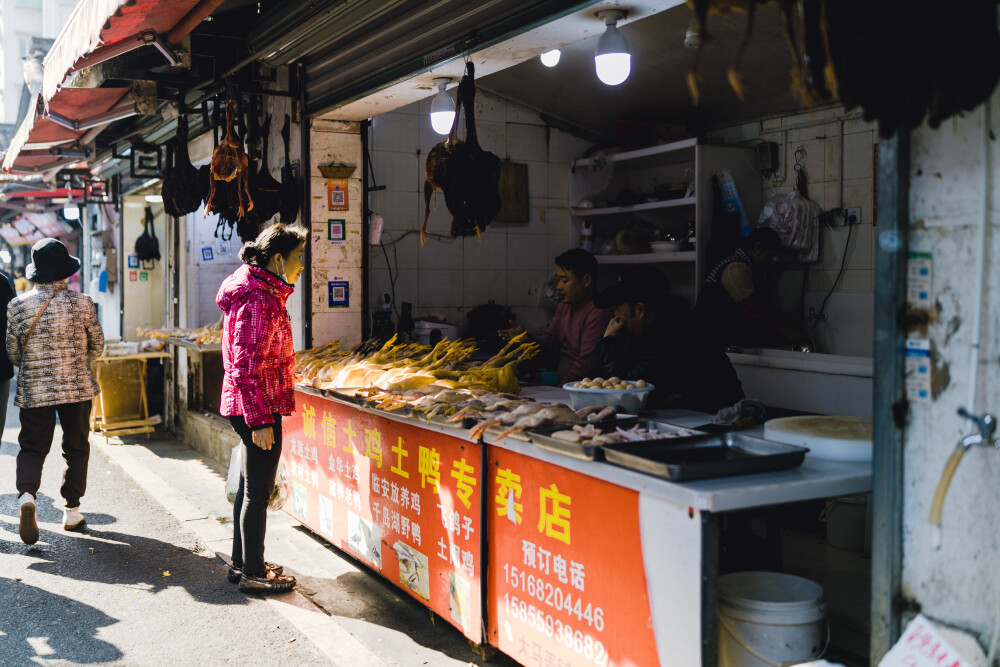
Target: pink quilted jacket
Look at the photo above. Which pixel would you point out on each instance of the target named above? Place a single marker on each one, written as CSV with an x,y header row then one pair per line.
x,y
257,352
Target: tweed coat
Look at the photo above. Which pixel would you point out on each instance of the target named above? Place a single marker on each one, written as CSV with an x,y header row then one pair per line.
x,y
56,364
258,355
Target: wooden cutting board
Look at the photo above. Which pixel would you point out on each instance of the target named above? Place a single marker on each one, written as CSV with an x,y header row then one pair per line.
x,y
827,437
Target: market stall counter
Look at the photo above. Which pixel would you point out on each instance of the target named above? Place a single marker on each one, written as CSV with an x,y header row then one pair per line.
x,y
551,559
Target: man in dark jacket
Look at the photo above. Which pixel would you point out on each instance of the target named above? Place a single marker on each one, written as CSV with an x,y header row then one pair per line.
x,y
652,338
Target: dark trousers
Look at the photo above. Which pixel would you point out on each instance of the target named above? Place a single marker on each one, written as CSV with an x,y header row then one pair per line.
x,y
35,438
250,506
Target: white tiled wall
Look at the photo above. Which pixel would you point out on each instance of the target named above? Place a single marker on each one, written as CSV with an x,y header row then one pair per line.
x,y
830,137
513,260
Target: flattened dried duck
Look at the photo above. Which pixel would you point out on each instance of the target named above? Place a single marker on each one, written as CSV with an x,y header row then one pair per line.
x,y
229,165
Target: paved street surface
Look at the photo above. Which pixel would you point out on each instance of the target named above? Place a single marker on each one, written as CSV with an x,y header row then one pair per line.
x,y
145,583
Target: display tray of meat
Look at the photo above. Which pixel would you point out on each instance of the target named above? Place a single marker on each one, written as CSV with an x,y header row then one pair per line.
x,y
705,456
585,441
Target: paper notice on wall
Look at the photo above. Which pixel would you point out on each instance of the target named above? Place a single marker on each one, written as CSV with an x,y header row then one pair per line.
x,y
922,645
918,370
918,280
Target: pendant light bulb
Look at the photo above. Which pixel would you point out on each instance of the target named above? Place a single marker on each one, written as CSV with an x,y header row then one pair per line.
x,y
442,107
71,211
612,58
550,58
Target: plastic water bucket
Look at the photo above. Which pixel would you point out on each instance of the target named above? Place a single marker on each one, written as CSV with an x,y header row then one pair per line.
x,y
768,618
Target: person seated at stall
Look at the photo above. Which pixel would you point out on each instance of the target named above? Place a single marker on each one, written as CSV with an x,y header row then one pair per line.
x,y
731,307
651,338
578,324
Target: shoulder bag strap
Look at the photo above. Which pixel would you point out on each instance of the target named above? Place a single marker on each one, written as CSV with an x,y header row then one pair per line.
x,y
24,346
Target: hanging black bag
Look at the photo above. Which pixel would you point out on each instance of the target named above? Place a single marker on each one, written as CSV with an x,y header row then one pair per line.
x,y
147,246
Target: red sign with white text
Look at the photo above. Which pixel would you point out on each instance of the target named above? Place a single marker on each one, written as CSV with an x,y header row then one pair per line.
x,y
403,499
565,583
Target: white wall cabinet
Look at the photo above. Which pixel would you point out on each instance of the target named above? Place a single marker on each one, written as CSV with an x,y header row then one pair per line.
x,y
650,173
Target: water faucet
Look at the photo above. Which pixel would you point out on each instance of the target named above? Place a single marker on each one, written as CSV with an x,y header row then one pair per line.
x,y
987,425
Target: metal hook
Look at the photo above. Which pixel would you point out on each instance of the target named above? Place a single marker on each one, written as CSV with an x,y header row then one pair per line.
x,y
800,154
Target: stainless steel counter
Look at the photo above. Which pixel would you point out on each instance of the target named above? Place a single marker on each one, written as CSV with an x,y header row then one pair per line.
x,y
815,478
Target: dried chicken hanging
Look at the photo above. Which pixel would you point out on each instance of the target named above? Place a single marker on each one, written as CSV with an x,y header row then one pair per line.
x,y
230,165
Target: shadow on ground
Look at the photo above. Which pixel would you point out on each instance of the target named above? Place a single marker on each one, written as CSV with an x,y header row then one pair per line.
x,y
23,644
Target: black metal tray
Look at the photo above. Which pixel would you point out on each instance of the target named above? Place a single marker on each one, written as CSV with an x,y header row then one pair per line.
x,y
705,456
585,452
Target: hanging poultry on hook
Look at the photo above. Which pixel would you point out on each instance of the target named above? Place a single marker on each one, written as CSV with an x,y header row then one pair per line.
x,y
468,175
230,165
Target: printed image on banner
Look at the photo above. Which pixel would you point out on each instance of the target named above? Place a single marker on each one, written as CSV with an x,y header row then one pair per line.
x,y
565,579
403,499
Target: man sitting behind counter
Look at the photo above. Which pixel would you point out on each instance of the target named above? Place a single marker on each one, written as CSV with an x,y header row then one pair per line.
x,y
652,338
578,324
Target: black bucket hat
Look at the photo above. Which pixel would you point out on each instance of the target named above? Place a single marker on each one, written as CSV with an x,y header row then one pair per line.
x,y
50,261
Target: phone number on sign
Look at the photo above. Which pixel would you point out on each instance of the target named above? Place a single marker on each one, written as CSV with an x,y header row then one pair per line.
x,y
554,596
575,640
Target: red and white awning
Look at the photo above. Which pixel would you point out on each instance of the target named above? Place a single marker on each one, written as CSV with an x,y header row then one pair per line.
x,y
96,30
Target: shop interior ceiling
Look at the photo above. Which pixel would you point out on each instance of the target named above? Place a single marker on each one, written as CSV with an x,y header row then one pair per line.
x,y
655,91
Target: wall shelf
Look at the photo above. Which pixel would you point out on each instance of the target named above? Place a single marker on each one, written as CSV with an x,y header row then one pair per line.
x,y
648,257
648,206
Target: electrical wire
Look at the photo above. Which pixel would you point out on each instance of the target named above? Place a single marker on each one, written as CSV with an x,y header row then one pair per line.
x,y
843,262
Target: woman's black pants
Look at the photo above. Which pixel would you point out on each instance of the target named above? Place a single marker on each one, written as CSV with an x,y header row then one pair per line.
x,y
250,506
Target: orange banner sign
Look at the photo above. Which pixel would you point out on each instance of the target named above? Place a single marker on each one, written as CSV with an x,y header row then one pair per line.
x,y
566,584
403,499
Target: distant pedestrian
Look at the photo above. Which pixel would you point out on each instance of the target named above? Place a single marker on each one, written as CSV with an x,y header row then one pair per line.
x,y
21,284
52,335
257,390
6,368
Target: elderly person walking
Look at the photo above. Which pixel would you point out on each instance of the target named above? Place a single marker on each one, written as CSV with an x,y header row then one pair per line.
x,y
257,389
52,335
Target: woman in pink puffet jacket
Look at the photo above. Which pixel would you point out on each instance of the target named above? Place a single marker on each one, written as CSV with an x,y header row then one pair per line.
x,y
258,359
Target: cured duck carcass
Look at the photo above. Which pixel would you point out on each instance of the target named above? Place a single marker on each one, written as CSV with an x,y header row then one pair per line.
x,y
229,164
468,175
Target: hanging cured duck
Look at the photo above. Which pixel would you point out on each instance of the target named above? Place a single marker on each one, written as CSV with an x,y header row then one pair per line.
x,y
230,169
182,192
468,175
289,193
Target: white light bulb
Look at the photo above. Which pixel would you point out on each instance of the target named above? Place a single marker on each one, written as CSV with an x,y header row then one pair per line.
x,y
154,199
612,59
71,211
442,108
550,58
613,68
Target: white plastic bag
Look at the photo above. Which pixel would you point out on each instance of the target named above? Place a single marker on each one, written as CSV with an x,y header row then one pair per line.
x,y
233,478
795,219
279,494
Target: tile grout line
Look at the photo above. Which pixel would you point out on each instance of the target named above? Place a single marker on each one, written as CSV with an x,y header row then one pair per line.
x,y
329,637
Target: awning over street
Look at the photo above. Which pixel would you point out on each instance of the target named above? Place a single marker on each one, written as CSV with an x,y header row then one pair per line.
x,y
45,141
98,24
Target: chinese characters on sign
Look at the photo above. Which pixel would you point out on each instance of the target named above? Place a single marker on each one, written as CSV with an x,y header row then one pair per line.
x,y
565,580
403,499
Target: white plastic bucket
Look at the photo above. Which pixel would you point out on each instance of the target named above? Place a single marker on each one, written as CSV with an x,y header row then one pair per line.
x,y
769,618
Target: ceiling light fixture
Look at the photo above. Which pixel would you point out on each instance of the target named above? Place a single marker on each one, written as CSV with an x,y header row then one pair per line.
x,y
612,58
71,211
442,107
550,58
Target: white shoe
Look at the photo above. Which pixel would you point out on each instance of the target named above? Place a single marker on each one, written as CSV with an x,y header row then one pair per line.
x,y
72,519
28,526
